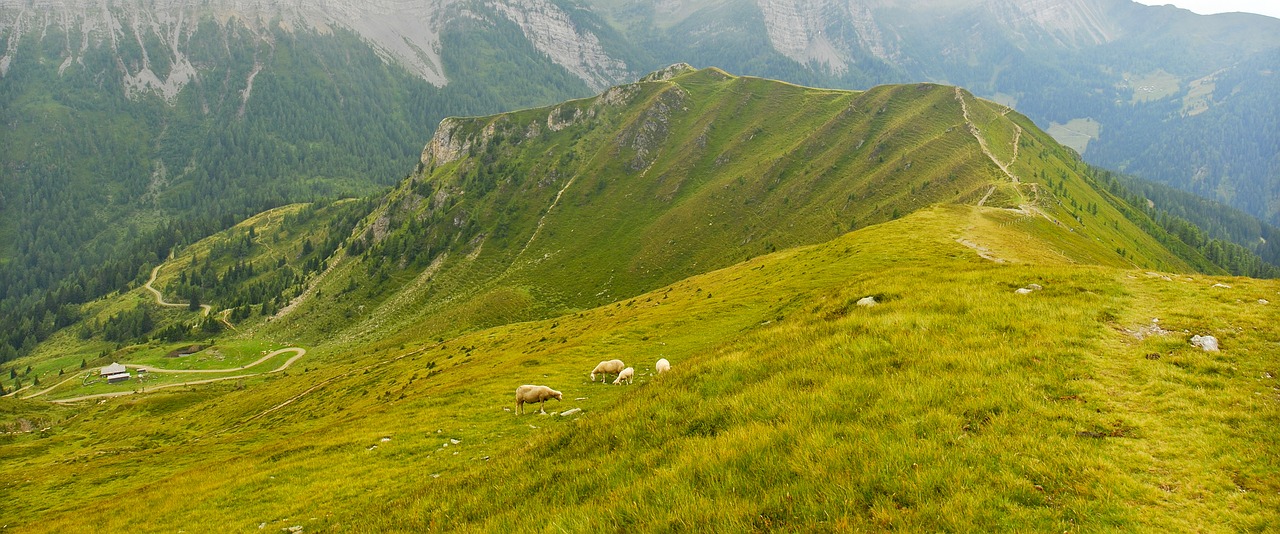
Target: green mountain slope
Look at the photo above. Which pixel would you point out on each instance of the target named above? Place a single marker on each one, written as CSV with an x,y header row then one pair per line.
x,y
1026,366
539,212
1182,99
102,175
954,403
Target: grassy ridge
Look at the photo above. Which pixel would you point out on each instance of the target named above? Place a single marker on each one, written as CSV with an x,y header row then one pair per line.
x,y
535,213
954,404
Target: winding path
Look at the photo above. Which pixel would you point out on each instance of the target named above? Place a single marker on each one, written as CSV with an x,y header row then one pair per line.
x,y
55,386
973,129
1027,208
205,308
299,350
273,354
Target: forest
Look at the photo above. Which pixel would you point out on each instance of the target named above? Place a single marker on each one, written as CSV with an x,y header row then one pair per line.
x,y
100,184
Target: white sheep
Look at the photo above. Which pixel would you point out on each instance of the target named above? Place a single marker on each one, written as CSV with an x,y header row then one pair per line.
x,y
532,394
611,367
626,375
662,366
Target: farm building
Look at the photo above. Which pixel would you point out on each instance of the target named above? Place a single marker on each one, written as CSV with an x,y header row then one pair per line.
x,y
115,373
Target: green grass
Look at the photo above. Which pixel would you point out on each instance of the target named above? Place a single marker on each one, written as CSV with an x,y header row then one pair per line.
x,y
691,219
955,404
657,181
216,358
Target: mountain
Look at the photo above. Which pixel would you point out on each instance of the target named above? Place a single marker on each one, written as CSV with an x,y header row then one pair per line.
x,y
1024,361
550,210
136,127
1158,92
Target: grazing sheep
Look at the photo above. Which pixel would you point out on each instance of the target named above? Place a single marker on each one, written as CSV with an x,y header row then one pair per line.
x,y
662,366
611,367
626,374
532,394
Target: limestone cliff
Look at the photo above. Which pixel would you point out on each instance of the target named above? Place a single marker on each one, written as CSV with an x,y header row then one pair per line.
x,y
406,32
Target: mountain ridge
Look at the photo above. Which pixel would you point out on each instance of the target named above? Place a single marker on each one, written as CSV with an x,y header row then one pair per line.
x,y
512,201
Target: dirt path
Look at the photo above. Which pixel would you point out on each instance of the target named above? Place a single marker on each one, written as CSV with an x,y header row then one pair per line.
x,y
300,353
312,286
55,386
986,196
17,391
147,390
542,220
205,308
973,129
224,316
1030,207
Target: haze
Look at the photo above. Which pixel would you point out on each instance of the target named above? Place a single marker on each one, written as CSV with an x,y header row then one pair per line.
x,y
1269,8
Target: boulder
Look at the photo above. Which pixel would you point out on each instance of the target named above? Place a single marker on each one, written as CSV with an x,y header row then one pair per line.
x,y
867,302
1208,343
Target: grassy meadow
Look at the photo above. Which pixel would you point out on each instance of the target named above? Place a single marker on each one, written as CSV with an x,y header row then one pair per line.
x,y
954,404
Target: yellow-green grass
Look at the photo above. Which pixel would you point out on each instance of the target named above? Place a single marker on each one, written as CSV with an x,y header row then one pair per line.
x,y
219,360
955,404
666,179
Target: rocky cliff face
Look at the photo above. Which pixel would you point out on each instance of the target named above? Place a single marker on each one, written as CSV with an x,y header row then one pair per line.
x,y
831,33
1073,23
553,33
406,32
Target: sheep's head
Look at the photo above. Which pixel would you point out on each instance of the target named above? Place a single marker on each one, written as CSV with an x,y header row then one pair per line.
x,y
558,395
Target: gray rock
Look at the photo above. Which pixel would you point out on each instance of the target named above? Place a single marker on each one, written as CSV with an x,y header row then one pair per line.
x,y
1208,343
571,412
1023,291
867,302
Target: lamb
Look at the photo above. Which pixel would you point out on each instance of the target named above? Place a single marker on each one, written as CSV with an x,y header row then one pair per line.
x,y
532,394
611,367
662,366
626,374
